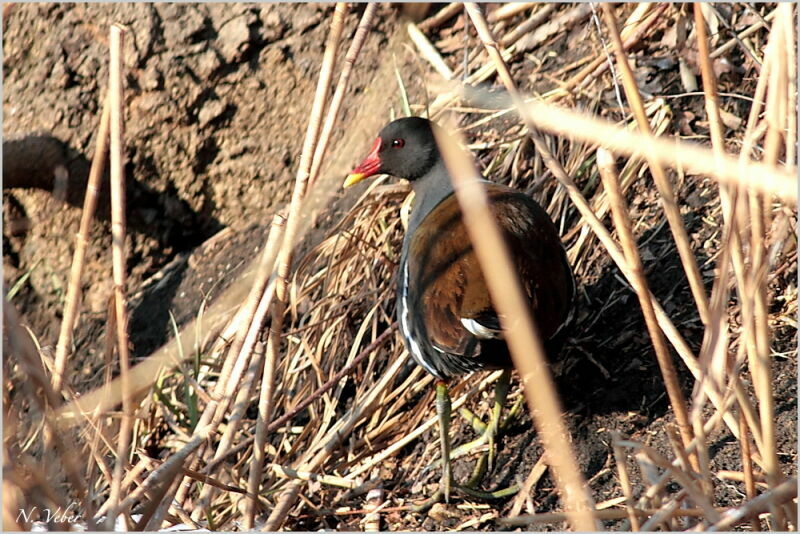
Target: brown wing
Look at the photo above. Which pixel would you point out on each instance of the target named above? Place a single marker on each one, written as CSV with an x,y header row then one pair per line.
x,y
450,285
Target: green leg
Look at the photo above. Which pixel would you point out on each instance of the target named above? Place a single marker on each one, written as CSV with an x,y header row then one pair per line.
x,y
488,435
500,394
443,410
490,431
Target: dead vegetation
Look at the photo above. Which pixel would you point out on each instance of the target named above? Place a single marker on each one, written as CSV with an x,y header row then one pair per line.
x,y
315,418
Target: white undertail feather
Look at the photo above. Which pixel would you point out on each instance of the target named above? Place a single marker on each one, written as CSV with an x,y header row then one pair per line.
x,y
480,331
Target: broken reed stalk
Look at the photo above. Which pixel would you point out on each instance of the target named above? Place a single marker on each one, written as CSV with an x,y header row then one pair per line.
x,y
663,184
443,15
302,405
81,244
542,14
364,25
599,64
521,333
506,11
608,514
115,90
760,216
686,156
507,296
680,476
23,348
533,477
227,386
619,212
286,254
747,470
210,418
625,480
332,441
784,493
739,38
234,419
428,51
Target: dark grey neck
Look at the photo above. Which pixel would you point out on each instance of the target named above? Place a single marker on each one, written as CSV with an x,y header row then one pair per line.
x,y
429,190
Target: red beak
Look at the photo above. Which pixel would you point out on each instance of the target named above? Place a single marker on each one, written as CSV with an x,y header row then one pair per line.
x,y
368,167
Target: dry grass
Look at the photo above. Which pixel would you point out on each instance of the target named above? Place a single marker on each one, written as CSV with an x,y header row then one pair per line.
x,y
340,407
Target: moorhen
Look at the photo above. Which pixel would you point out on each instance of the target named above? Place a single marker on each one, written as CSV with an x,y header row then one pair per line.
x,y
445,313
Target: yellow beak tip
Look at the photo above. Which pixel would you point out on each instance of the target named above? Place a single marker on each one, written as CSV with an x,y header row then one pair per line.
x,y
353,179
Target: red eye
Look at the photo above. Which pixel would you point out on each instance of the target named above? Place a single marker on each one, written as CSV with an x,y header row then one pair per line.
x,y
398,143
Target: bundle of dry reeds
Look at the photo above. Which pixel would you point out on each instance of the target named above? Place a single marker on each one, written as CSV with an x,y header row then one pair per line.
x,y
301,410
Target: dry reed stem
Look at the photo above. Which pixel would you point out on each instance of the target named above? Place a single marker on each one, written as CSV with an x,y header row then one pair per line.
x,y
619,212
521,335
22,346
603,515
533,477
364,26
335,435
81,244
331,480
760,364
599,64
443,15
249,321
507,295
240,406
625,480
286,251
742,35
428,51
663,184
535,20
781,494
509,10
747,470
115,91
711,94
681,477
791,93
682,155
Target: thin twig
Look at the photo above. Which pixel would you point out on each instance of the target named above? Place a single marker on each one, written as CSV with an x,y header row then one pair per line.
x,y
504,287
681,155
364,26
624,480
783,493
81,244
286,253
115,88
619,211
603,515
440,17
659,176
429,51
